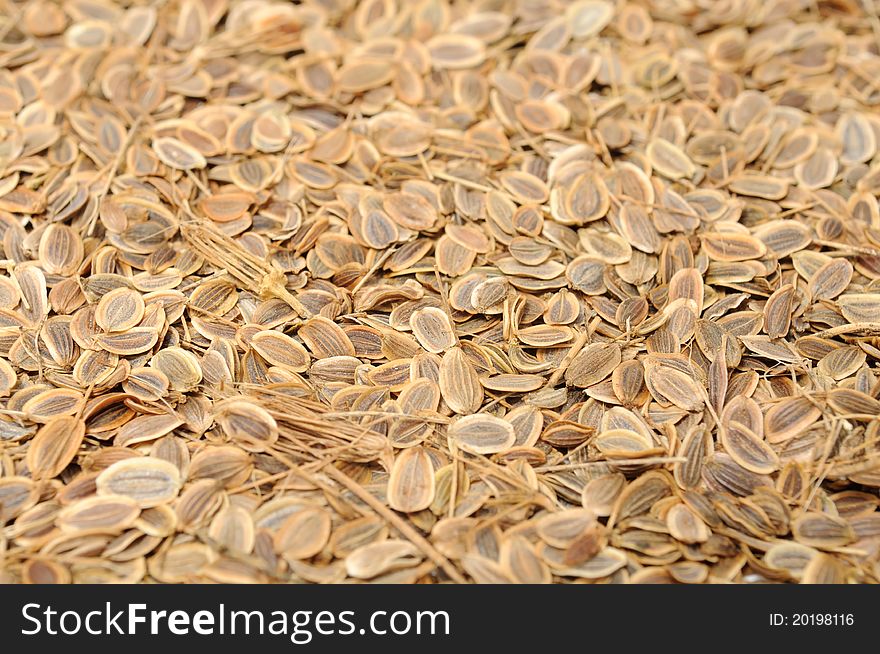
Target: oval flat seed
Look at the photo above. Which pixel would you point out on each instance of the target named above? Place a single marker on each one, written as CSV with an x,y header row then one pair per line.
x,y
669,160
747,449
281,350
374,559
822,531
148,481
455,51
732,247
831,279
136,340
686,526
622,443
248,424
325,338
411,482
512,383
459,382
177,154
862,307
482,434
788,418
303,534
181,367
119,310
55,446
95,515
593,364
433,329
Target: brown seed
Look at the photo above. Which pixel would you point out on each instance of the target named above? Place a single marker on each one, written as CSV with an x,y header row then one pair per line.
x,y
177,154
668,160
325,338
777,312
136,340
732,246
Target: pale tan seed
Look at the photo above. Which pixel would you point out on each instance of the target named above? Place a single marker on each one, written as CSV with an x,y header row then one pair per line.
x,y
61,250
509,383
360,76
593,364
248,424
136,340
831,279
147,428
46,405
374,559
686,526
748,449
695,449
325,338
411,482
94,515
759,186
150,482
55,446
455,51
791,557
842,362
433,329
233,528
623,444
303,534
119,310
821,530
459,382
862,307
668,160
777,311
672,386
589,17
280,350
177,154
148,384
788,418
180,366
818,171
732,246
482,434
600,494
520,562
